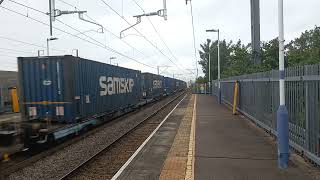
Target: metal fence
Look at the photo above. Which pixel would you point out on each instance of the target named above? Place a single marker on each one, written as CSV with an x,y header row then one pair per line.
x,y
201,88
259,100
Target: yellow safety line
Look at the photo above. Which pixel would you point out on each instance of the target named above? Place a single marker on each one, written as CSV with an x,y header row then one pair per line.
x,y
191,153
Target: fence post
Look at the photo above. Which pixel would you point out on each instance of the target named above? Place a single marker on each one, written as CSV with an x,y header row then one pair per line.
x,y
307,134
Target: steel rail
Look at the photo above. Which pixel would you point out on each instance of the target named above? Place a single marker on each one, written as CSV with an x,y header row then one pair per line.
x,y
67,175
38,156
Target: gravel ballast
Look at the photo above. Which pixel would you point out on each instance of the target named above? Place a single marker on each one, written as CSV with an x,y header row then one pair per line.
x,y
59,163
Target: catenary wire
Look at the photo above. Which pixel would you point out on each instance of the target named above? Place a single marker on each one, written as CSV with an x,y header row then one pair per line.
x,y
100,44
159,35
76,8
194,37
110,7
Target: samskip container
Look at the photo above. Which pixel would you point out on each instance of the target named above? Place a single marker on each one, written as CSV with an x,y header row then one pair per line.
x,y
170,85
152,85
180,85
68,89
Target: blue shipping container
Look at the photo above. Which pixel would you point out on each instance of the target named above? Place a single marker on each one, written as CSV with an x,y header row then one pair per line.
x,y
170,85
180,85
67,88
152,85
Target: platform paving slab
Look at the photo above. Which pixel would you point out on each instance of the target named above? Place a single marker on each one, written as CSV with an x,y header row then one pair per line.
x,y
228,147
147,165
176,163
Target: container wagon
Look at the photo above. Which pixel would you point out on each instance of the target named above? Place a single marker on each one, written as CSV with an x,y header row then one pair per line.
x,y
61,90
152,86
64,95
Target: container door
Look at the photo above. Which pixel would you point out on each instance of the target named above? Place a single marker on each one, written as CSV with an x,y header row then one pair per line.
x,y
42,81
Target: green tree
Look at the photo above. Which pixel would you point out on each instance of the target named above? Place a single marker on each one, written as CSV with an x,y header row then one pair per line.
x,y
212,48
236,58
270,55
200,80
305,49
239,61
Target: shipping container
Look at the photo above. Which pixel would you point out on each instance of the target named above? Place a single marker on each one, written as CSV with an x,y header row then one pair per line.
x,y
68,89
152,85
8,80
181,85
170,85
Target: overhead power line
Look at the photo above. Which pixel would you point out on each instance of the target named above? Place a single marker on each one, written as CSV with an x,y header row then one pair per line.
x,y
193,33
76,8
29,44
99,43
27,6
150,42
15,51
159,35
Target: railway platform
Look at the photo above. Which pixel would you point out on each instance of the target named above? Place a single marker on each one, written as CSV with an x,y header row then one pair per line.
x,y
202,140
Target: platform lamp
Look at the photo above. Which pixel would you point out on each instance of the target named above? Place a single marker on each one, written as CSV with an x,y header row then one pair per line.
x,y
219,85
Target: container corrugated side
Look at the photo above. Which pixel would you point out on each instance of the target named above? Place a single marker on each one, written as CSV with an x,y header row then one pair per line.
x,y
169,85
67,88
101,88
153,85
42,84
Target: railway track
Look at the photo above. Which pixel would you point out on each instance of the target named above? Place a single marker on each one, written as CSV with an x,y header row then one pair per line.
x,y
22,161
106,162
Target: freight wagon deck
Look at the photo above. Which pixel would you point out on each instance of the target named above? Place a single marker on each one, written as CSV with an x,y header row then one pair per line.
x,y
10,117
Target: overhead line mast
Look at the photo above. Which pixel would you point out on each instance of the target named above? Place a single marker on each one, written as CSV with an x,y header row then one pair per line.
x,y
255,31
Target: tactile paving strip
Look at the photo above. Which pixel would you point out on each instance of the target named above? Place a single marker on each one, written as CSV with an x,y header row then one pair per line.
x,y
178,160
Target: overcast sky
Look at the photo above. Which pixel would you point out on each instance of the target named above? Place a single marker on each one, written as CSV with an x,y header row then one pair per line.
x,y
232,17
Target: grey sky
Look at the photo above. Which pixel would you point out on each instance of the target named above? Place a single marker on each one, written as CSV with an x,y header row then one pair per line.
x,y
231,16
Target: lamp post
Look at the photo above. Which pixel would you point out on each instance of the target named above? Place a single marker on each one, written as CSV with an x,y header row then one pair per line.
x,y
282,113
219,85
112,58
50,39
209,70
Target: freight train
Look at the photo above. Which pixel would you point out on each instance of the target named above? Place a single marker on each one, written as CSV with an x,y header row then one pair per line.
x,y
64,95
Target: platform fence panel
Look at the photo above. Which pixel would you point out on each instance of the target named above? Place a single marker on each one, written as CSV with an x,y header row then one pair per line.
x,y
259,100
201,88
